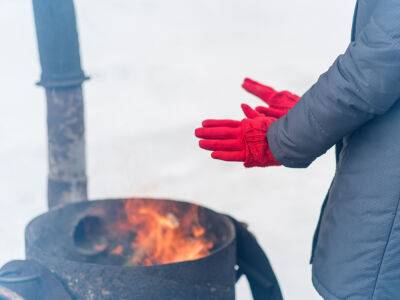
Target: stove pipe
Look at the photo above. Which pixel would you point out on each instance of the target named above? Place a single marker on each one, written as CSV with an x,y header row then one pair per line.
x,y
62,78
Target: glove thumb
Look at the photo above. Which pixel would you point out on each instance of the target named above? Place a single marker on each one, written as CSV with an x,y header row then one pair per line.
x,y
249,112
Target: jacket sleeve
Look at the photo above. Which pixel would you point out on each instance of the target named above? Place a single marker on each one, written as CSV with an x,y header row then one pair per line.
x,y
361,84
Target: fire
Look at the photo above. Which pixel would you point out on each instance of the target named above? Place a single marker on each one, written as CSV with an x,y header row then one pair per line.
x,y
118,250
165,233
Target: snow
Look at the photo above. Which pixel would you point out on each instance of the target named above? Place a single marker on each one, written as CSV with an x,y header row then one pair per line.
x,y
158,68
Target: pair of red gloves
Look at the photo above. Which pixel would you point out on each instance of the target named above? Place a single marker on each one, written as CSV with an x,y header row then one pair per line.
x,y
246,140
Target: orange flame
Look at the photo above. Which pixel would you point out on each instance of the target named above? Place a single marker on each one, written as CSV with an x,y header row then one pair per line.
x,y
165,233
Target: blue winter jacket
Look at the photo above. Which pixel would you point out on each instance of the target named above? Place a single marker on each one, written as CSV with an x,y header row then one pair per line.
x,y
355,104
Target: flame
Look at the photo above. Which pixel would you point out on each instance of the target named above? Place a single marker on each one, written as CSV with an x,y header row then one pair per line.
x,y
165,233
118,250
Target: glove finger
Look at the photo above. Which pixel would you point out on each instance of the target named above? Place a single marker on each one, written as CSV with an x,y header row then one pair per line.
x,y
270,112
224,133
259,90
221,123
283,99
229,155
249,112
290,96
221,145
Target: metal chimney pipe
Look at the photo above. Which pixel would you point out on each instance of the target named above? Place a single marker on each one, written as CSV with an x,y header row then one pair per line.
x,y
62,78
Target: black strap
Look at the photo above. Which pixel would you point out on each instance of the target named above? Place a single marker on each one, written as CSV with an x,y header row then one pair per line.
x,y
254,264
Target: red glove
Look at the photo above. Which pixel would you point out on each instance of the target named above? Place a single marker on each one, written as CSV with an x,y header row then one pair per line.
x,y
279,102
243,141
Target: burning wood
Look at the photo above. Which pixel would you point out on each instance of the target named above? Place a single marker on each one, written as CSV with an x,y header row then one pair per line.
x,y
164,233
118,250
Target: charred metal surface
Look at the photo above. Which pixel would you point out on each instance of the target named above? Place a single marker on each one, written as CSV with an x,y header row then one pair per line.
x,y
27,279
51,240
62,77
66,146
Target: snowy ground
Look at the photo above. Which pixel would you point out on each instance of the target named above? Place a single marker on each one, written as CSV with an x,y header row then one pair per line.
x,y
158,68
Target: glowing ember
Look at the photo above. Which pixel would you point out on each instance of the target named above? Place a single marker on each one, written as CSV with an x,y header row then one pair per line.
x,y
118,250
164,233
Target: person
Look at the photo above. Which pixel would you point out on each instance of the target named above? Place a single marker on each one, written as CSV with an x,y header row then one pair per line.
x,y
356,247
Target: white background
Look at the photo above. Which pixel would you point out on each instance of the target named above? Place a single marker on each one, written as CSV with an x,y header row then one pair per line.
x,y
158,68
